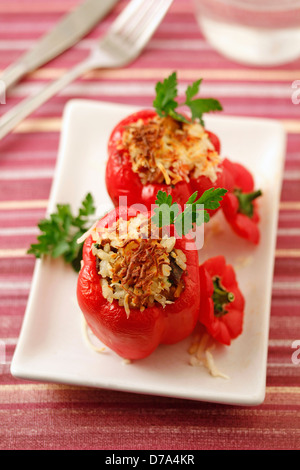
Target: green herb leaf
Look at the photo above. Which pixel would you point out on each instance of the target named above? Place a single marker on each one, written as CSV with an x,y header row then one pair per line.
x,y
201,106
195,211
60,232
165,102
166,212
166,91
212,197
163,198
193,90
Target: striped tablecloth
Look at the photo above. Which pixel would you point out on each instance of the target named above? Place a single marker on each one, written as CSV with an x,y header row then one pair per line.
x,y
52,416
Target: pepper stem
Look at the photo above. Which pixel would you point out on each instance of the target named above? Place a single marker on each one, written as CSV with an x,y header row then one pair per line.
x,y
246,201
221,297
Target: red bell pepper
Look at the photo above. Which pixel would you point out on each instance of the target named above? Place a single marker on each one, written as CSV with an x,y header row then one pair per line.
x,y
138,334
240,205
221,301
121,180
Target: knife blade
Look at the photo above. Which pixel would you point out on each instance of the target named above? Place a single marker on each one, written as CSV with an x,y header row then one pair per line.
x,y
68,31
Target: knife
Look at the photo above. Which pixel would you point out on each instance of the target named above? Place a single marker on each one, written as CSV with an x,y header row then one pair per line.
x,y
66,33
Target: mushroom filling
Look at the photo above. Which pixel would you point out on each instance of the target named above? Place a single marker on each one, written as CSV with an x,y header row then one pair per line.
x,y
163,150
136,270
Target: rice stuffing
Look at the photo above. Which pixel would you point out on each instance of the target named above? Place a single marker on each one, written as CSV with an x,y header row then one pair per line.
x,y
137,270
169,151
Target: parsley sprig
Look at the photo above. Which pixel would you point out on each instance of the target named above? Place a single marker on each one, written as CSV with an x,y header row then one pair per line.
x,y
165,102
61,230
195,212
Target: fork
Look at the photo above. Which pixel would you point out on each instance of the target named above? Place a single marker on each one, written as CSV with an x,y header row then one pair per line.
x,y
122,44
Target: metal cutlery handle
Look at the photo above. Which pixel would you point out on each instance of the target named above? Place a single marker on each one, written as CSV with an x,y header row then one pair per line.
x,y
67,32
13,74
19,112
123,42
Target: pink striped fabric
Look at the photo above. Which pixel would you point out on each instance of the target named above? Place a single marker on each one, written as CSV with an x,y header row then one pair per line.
x,y
50,416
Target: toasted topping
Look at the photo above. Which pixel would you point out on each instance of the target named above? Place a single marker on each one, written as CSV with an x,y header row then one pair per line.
x,y
138,271
165,150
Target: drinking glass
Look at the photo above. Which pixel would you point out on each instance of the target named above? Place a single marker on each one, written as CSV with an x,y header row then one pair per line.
x,y
255,32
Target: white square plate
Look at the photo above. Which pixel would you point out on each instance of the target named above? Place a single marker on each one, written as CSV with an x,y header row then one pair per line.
x,y
51,347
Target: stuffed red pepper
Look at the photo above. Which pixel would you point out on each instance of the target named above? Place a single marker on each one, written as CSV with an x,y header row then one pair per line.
x,y
159,149
148,153
137,291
